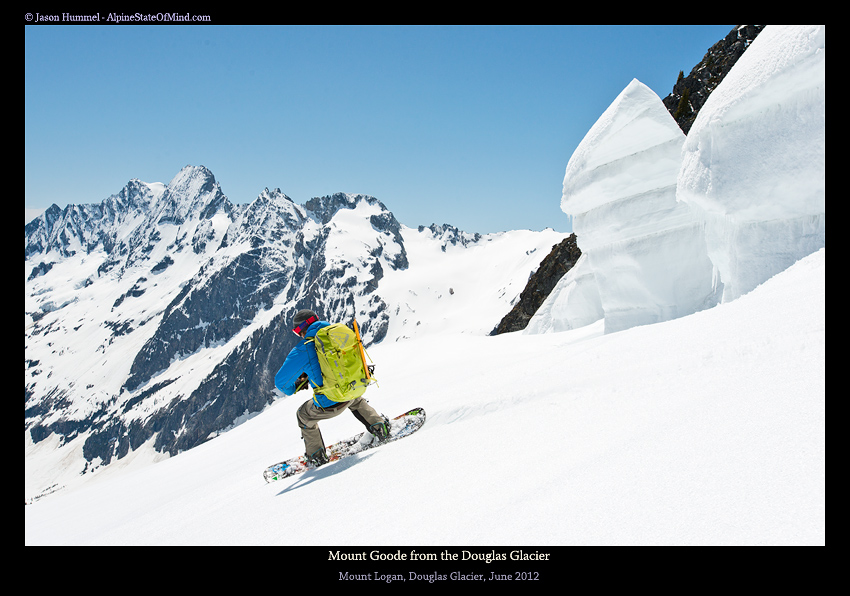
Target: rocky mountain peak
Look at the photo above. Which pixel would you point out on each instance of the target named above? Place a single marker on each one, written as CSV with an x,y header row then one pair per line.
x,y
324,208
193,190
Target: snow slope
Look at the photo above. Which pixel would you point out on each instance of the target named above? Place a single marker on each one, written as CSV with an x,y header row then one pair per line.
x,y
451,288
708,429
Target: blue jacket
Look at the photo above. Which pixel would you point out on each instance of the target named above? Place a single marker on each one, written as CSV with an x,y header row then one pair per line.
x,y
302,359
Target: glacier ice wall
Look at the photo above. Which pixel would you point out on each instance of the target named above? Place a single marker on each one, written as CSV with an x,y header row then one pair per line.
x,y
671,225
646,251
753,164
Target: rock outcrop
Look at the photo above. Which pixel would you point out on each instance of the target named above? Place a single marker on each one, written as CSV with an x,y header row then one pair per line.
x,y
562,258
690,92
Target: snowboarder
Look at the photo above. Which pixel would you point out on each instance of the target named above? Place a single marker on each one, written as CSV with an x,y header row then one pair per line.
x,y
299,371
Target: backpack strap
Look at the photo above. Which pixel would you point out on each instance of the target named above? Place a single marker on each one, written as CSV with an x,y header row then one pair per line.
x,y
363,354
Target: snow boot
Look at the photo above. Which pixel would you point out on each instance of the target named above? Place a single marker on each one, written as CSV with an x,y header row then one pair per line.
x,y
319,458
381,430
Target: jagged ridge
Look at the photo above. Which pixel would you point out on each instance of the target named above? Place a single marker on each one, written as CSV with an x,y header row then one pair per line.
x,y
244,264
160,315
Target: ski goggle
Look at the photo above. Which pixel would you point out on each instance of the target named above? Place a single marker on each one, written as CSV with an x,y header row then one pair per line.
x,y
303,326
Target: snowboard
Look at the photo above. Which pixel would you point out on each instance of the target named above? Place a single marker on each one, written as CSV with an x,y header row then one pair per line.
x,y
401,426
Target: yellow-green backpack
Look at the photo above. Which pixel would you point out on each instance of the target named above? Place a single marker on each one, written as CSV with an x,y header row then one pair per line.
x,y
345,375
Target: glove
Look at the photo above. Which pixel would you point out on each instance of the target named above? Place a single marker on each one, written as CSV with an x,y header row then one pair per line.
x,y
302,382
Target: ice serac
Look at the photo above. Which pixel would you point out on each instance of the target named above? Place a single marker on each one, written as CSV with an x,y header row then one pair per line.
x,y
645,251
753,165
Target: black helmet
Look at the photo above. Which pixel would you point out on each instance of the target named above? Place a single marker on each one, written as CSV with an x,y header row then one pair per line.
x,y
303,319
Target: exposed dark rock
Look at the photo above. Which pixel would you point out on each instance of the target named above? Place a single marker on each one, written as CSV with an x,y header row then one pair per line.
x,y
449,234
39,270
690,92
552,268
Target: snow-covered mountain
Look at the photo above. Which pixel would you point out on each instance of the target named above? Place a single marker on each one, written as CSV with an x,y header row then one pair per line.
x,y
162,313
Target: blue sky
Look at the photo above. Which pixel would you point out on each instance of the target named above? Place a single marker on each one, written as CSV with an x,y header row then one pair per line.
x,y
471,126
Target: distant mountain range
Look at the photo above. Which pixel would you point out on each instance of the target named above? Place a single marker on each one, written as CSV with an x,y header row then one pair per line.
x,y
162,313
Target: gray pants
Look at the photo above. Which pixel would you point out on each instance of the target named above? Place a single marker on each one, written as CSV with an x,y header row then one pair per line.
x,y
309,415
